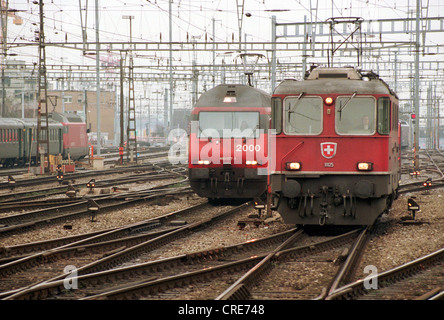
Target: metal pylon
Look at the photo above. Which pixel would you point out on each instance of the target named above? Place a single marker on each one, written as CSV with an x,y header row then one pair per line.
x,y
131,129
42,114
240,18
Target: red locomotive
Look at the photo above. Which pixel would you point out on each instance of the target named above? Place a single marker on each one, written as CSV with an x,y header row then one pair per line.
x,y
337,148
75,138
228,142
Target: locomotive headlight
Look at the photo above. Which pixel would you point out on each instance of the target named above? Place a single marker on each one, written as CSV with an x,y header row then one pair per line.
x,y
251,162
365,166
293,166
329,101
229,99
205,162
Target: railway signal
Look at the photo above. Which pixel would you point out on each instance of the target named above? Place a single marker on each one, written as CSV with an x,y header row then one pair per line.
x,y
259,205
415,173
11,182
93,208
91,184
428,182
59,173
412,206
121,154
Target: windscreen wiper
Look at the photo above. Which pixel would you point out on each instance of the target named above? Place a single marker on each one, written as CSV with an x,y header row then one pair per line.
x,y
346,103
295,104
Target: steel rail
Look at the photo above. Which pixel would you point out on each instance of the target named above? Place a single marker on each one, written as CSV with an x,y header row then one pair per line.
x,y
358,288
78,175
128,253
56,213
240,288
20,251
189,277
147,268
24,200
347,269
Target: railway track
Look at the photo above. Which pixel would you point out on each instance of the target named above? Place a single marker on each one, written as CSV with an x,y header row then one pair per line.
x,y
432,168
158,274
210,270
109,256
23,199
213,276
40,180
16,252
115,158
420,279
111,156
274,277
80,207
206,274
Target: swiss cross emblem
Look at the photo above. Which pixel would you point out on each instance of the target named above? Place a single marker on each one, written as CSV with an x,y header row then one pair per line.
x,y
328,149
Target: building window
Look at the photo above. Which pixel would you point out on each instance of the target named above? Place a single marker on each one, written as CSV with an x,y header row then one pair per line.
x,y
67,99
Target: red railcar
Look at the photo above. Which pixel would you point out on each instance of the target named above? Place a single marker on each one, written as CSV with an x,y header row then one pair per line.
x,y
337,148
75,138
228,154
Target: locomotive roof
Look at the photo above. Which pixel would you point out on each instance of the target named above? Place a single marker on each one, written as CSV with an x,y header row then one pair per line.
x,y
9,123
65,117
246,96
335,80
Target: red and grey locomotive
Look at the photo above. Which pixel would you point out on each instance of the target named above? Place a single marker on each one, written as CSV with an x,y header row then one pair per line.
x,y
337,147
228,142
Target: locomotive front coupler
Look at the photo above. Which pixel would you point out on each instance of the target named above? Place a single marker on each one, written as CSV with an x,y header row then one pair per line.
x,y
323,213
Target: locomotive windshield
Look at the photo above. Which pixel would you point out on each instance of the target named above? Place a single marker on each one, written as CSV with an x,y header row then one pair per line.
x,y
228,124
303,115
355,115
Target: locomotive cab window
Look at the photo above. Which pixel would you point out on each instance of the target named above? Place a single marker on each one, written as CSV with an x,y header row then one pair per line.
x,y
384,115
276,114
228,124
355,115
303,115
